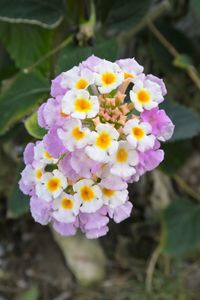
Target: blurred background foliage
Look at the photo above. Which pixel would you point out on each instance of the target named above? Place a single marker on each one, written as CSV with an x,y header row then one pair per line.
x,y
155,254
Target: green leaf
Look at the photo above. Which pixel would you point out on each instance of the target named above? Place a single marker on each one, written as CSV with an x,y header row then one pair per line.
x,y
71,55
21,98
181,227
176,154
18,203
26,44
31,294
31,125
127,14
183,61
47,14
186,121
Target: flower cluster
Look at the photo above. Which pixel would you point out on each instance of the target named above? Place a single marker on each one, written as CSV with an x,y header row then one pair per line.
x,y
104,130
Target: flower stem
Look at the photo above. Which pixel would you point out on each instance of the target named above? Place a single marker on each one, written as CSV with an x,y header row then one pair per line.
x,y
151,268
190,69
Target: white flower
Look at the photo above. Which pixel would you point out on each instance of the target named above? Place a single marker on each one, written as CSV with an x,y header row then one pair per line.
x,y
73,136
66,208
103,143
89,194
139,135
51,185
124,160
77,78
130,67
41,154
114,198
108,76
145,94
80,104
32,174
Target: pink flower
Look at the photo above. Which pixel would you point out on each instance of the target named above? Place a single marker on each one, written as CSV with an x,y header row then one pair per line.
x,y
26,182
83,165
66,168
29,153
49,113
40,210
159,81
96,233
56,89
77,164
121,213
162,126
65,229
148,161
53,144
26,189
130,67
111,181
94,225
91,62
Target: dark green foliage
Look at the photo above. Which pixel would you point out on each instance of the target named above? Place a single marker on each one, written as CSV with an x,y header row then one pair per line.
x,y
22,96
181,227
44,13
195,5
162,57
26,43
126,14
176,154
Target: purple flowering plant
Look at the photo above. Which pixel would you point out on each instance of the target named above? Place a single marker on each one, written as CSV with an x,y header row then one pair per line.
x,y
104,131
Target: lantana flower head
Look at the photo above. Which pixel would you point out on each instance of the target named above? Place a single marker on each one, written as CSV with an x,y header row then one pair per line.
x,y
104,129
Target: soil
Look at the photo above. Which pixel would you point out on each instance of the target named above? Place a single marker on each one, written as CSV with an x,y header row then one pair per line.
x,y
28,257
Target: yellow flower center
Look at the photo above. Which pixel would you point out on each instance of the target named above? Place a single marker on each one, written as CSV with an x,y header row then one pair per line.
x,y
104,140
82,105
87,193
128,75
38,174
108,192
53,184
138,132
108,78
81,84
67,203
78,134
122,155
47,155
143,96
